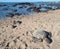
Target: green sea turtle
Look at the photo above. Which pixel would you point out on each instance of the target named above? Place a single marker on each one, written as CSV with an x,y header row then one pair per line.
x,y
42,34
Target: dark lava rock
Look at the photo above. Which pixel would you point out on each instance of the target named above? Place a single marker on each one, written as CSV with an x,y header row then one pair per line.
x,y
33,9
14,26
26,3
10,15
15,22
48,8
19,22
3,5
7,45
14,5
17,14
36,10
14,10
4,8
21,6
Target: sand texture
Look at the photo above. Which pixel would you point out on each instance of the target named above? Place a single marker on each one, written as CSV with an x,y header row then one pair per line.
x,y
17,32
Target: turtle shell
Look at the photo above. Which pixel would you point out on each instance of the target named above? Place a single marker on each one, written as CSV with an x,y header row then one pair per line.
x,y
42,34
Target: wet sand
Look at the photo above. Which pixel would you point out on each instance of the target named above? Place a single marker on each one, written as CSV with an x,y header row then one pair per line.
x,y
16,32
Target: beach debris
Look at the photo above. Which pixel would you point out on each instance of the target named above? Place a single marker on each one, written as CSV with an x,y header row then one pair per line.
x,y
36,10
15,22
42,35
14,26
19,22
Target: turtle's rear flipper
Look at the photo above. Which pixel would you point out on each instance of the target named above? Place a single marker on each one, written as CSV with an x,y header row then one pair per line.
x,y
48,40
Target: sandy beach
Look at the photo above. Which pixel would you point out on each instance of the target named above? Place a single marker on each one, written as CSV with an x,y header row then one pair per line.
x,y
17,32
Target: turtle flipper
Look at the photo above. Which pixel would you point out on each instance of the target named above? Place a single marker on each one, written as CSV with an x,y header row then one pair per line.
x,y
48,40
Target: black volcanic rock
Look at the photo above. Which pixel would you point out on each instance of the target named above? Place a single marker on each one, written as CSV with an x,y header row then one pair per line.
x,y
14,26
21,6
3,5
36,10
4,8
26,3
11,9
14,10
48,8
33,9
19,22
14,5
15,22
10,15
17,14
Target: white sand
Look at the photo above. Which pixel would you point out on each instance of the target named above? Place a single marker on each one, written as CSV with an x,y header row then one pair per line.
x,y
21,36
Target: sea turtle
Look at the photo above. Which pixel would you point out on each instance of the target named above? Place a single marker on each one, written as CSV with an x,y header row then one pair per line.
x,y
42,34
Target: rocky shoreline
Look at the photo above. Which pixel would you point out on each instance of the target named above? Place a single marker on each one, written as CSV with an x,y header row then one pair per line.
x,y
17,9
